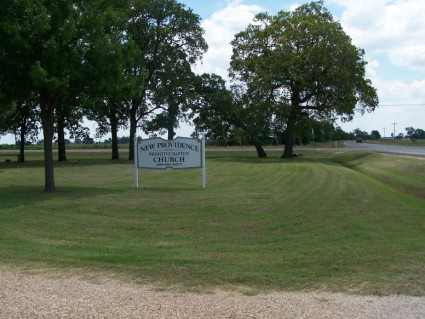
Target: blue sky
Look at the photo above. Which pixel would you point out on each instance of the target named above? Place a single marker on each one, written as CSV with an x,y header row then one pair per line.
x,y
392,32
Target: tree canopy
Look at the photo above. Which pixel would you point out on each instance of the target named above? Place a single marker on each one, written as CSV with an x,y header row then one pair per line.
x,y
169,38
128,63
44,47
299,65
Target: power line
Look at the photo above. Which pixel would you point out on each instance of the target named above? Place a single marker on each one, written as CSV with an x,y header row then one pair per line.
x,y
418,104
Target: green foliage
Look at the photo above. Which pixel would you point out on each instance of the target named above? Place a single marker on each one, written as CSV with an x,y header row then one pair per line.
x,y
169,40
40,46
341,135
304,66
375,135
213,113
415,134
48,49
404,142
341,222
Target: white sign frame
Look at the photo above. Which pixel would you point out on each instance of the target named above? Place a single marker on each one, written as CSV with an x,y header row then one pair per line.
x,y
179,153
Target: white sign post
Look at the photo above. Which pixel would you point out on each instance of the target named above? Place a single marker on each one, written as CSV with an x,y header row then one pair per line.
x,y
136,171
157,153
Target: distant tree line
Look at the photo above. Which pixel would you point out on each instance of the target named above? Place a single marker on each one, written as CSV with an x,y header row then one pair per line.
x,y
127,64
414,134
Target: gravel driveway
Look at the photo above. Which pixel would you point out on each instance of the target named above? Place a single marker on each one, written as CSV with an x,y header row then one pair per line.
x,y
24,295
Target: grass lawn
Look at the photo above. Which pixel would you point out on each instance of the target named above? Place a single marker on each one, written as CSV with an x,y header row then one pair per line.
x,y
352,222
402,142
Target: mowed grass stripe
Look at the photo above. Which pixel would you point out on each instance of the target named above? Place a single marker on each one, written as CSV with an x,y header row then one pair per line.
x,y
264,224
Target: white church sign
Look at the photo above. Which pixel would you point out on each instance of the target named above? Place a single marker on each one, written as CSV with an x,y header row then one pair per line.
x,y
182,152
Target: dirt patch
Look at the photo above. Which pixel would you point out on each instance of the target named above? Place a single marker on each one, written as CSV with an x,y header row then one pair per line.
x,y
24,295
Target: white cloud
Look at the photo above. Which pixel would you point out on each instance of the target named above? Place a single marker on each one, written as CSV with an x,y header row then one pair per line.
x,y
294,6
400,92
400,102
221,28
383,26
410,56
394,29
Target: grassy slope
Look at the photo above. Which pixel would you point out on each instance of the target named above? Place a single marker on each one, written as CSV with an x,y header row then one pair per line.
x,y
340,222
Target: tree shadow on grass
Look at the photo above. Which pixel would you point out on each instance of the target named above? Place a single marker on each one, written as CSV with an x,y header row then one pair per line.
x,y
14,196
39,163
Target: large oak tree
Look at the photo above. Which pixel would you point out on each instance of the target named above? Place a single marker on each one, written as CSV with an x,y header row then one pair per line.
x,y
301,64
161,29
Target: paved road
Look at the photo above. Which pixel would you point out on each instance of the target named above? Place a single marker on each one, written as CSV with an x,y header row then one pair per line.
x,y
349,145
391,149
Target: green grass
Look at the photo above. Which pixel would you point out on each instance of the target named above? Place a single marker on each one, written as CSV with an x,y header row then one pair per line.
x,y
341,222
68,147
402,142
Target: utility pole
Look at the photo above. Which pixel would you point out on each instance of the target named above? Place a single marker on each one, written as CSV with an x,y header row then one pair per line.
x,y
394,130
384,131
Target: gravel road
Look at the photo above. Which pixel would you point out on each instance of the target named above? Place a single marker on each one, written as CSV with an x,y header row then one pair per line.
x,y
43,295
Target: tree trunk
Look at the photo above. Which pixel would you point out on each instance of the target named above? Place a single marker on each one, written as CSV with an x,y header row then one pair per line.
x,y
61,140
171,132
135,104
173,109
258,146
22,143
115,151
133,126
47,104
288,152
114,133
260,150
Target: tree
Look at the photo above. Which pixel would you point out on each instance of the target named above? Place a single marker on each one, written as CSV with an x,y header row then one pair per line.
x,y
212,111
21,118
27,118
415,134
340,134
304,65
220,112
107,56
173,94
362,134
399,136
248,114
40,55
159,28
43,46
375,135
69,115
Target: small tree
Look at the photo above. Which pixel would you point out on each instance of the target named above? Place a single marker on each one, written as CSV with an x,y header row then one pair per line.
x,y
340,134
220,111
211,114
375,135
362,134
21,118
